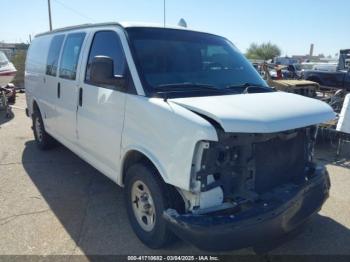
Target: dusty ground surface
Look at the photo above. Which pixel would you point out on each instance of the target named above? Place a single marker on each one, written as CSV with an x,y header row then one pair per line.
x,y
54,203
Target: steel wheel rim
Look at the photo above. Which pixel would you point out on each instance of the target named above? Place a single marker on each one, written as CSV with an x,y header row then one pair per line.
x,y
143,206
38,130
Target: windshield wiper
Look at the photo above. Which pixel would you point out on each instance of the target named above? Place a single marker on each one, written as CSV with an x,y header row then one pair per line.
x,y
167,89
174,86
251,88
245,85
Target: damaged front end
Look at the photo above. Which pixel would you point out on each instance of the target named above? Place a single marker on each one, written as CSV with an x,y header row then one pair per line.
x,y
247,188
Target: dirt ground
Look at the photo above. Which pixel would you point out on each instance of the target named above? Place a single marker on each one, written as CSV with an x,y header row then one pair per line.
x,y
53,203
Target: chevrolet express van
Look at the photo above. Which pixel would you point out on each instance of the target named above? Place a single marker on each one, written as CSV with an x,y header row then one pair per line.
x,y
204,149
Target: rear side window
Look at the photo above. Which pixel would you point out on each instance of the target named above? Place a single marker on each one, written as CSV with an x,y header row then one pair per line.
x,y
54,54
107,43
70,55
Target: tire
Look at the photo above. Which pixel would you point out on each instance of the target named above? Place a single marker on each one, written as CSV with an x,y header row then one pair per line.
x,y
161,196
43,140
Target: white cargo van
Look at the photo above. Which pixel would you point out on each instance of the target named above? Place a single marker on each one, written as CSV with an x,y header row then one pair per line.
x,y
180,119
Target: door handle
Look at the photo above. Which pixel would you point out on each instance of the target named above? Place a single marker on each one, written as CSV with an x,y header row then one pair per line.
x,y
58,89
80,96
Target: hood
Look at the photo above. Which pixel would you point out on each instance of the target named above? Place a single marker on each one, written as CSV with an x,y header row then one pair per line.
x,y
259,113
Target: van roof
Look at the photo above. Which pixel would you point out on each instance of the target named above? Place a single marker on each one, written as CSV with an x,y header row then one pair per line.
x,y
120,24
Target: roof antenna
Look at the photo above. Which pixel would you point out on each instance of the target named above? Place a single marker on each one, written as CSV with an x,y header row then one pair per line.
x,y
182,23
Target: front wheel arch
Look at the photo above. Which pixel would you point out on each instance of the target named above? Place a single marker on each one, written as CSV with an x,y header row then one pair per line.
x,y
134,156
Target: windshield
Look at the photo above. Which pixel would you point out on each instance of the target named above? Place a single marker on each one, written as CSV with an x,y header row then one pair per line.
x,y
179,59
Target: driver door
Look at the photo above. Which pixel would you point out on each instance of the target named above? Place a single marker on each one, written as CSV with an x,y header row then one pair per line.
x,y
100,115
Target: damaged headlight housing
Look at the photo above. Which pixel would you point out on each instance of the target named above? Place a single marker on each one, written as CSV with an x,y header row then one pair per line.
x,y
217,164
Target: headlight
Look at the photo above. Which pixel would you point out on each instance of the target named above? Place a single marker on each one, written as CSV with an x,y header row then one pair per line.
x,y
211,161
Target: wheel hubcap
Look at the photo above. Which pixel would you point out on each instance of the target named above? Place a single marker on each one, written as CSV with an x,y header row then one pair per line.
x,y
143,205
38,129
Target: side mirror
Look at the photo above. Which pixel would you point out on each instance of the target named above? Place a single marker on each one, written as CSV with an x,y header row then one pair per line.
x,y
102,73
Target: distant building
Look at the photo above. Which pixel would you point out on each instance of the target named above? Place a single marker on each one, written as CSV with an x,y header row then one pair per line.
x,y
308,58
286,60
311,53
297,59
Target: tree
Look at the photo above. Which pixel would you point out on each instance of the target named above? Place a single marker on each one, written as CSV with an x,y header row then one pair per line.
x,y
264,51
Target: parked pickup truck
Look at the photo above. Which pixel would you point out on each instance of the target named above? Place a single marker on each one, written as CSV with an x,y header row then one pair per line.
x,y
202,146
339,79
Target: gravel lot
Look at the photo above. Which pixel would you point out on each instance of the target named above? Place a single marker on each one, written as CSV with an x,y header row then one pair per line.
x,y
53,203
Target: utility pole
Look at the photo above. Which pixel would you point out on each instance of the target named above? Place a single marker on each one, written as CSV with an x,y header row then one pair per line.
x,y
164,12
49,6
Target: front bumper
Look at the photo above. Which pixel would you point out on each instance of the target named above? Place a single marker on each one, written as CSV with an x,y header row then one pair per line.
x,y
267,220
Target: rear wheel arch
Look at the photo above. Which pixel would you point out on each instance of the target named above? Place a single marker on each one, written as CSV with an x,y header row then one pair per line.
x,y
36,109
43,139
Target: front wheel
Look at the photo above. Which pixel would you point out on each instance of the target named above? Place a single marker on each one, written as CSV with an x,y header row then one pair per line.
x,y
146,197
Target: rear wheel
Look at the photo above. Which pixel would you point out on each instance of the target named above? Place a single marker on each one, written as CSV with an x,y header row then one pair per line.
x,y
42,138
146,197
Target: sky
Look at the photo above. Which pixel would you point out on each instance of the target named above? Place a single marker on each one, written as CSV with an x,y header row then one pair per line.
x,y
292,25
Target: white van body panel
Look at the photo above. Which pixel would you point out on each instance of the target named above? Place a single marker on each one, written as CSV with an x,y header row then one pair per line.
x,y
60,115
171,151
103,114
35,76
344,116
95,137
66,106
100,119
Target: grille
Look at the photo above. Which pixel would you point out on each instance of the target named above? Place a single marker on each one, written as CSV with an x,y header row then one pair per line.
x,y
279,161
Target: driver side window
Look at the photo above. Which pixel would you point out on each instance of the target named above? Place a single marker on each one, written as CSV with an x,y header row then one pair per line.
x,y
107,43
